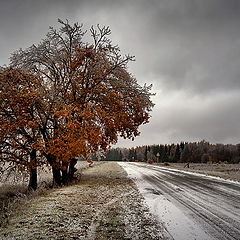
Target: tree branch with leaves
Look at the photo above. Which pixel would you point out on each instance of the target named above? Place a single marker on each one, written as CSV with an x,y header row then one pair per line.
x,y
86,96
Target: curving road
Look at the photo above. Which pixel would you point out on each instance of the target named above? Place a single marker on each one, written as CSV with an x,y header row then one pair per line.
x,y
191,206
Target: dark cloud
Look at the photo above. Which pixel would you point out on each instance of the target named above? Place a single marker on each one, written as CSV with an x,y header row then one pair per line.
x,y
195,45
212,118
179,117
189,50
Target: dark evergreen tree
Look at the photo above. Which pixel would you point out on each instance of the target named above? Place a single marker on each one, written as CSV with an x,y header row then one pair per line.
x,y
165,154
131,155
145,154
182,146
177,154
113,155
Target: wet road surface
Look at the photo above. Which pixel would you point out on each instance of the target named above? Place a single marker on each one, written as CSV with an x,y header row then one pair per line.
x,y
191,200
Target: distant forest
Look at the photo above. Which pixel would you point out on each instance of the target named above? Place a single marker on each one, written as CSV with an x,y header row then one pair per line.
x,y
196,152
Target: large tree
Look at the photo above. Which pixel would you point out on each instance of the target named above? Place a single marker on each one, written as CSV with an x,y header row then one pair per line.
x,y
87,97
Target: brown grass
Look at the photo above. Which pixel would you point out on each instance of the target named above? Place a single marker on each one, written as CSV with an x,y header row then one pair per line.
x,y
226,169
13,196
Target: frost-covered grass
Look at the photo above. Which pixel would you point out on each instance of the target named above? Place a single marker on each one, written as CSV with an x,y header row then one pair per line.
x,y
105,204
21,178
14,189
222,170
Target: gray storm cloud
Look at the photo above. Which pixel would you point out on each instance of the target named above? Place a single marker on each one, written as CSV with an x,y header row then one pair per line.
x,y
189,50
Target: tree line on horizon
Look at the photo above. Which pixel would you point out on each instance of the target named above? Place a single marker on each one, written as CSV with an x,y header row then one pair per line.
x,y
184,152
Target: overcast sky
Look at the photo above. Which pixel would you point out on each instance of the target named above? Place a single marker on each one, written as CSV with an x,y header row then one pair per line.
x,y
188,49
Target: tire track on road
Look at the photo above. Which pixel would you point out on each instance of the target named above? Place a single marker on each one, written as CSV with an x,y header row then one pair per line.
x,y
196,196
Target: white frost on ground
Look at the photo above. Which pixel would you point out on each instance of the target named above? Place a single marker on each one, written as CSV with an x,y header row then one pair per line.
x,y
103,205
166,212
199,174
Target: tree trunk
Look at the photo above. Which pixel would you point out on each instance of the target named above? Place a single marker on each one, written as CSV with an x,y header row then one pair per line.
x,y
72,168
65,172
57,179
32,185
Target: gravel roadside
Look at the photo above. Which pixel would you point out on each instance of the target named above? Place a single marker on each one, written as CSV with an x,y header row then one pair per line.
x,y
105,204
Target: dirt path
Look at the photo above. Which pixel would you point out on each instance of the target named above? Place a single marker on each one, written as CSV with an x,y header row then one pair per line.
x,y
104,205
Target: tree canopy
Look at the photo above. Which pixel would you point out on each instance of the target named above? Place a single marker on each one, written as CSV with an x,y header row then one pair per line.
x,y
66,98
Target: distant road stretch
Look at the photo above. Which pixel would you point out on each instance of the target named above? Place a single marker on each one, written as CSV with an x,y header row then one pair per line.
x,y
191,206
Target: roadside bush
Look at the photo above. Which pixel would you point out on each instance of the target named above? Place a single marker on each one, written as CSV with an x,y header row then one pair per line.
x,y
150,161
166,164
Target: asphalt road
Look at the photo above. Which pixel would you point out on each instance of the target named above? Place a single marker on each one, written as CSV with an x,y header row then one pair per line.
x,y
209,203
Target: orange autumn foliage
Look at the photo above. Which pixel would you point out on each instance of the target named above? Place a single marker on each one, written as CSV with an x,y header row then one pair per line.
x,y
19,129
81,95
